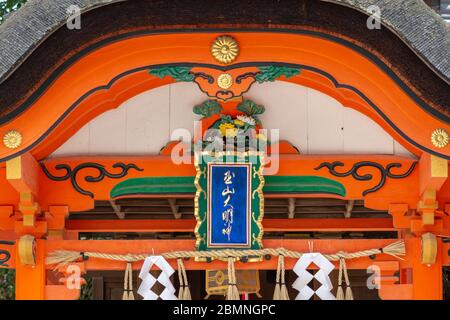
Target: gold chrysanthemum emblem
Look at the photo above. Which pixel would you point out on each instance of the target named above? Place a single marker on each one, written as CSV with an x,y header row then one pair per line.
x,y
225,49
12,139
440,138
225,81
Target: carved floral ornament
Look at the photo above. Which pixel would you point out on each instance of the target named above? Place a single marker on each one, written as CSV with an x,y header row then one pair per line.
x,y
440,138
225,81
225,49
12,139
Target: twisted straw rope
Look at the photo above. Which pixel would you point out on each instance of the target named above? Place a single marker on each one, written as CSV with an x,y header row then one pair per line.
x,y
62,257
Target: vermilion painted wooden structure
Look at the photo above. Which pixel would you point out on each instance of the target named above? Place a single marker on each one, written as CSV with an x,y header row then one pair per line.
x,y
33,203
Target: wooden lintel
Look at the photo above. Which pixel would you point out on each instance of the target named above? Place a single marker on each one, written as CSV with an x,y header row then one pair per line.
x,y
185,225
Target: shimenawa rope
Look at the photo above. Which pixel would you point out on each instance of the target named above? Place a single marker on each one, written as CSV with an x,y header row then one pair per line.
x,y
64,257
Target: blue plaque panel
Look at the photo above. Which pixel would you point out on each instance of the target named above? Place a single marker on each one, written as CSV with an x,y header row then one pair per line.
x,y
229,205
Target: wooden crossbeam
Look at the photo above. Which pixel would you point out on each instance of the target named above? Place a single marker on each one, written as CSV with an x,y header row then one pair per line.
x,y
188,225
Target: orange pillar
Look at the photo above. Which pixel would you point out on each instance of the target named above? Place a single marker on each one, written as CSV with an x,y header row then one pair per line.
x,y
31,280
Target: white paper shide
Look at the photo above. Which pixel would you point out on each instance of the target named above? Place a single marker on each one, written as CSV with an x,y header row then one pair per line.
x,y
305,277
148,280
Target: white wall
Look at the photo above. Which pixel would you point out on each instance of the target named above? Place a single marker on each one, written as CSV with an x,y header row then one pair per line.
x,y
141,125
313,122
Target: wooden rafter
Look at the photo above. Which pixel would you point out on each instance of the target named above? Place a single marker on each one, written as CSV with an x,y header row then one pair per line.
x,y
349,208
291,208
117,209
174,208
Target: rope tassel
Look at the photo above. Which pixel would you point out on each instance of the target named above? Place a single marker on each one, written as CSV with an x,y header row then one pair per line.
x,y
284,295
233,292
180,279
343,273
276,293
348,290
280,292
184,293
340,291
128,283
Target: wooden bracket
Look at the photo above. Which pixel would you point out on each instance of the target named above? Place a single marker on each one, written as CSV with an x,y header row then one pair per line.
x,y
29,209
428,212
22,173
56,221
398,213
433,174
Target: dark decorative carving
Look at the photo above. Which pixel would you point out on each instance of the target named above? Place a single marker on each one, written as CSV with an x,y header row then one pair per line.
x,y
102,173
203,75
5,255
244,76
386,172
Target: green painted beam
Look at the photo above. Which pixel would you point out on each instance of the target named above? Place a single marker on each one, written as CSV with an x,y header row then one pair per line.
x,y
303,185
185,185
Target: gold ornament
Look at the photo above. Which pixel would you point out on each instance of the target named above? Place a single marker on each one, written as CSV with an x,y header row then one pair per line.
x,y
225,81
12,139
220,277
225,49
440,138
228,130
27,250
217,282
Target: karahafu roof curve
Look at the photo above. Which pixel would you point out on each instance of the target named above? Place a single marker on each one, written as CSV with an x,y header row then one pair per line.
x,y
423,30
